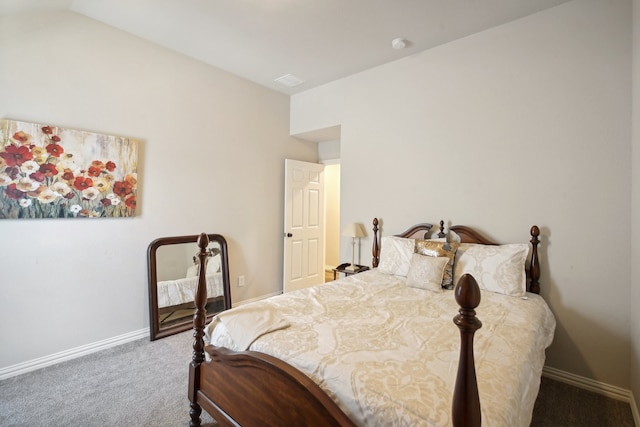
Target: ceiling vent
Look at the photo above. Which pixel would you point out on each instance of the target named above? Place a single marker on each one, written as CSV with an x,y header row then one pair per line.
x,y
289,80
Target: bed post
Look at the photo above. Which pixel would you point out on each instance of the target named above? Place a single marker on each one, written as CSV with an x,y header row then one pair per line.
x,y
199,320
376,248
534,266
465,410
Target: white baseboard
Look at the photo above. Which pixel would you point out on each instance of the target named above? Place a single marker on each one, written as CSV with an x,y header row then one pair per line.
x,y
41,362
607,390
587,384
247,301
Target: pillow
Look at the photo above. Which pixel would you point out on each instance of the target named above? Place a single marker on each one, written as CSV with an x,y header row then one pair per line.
x,y
395,255
497,269
192,271
425,272
440,249
213,267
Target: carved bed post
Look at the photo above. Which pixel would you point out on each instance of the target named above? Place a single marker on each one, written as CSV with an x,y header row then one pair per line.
x,y
534,267
465,409
199,320
375,248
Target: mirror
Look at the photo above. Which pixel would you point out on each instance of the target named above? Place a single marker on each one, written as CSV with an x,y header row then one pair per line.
x,y
173,279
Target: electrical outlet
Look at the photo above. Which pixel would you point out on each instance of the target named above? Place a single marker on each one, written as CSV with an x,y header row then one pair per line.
x,y
240,281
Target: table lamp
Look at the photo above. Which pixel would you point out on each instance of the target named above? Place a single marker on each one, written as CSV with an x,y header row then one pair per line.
x,y
355,231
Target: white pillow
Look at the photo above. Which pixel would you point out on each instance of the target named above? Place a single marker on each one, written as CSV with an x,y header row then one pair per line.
x,y
192,271
395,255
496,268
426,272
213,267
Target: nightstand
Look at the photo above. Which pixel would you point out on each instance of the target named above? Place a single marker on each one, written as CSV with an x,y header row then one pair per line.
x,y
342,268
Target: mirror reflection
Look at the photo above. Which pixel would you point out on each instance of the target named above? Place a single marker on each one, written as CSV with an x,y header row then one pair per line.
x,y
173,280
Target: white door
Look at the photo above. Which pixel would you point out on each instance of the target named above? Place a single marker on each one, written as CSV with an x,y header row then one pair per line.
x,y
303,225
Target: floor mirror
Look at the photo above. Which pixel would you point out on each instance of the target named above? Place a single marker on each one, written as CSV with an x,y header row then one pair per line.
x,y
173,279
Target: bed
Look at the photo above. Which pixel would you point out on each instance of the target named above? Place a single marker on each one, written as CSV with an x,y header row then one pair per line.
x,y
179,294
381,347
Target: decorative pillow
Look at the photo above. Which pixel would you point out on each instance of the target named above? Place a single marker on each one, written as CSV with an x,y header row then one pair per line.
x,y
440,249
395,255
425,272
497,269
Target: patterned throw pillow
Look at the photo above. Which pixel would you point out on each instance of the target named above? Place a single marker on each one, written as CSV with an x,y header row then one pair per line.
x,y
499,268
440,249
426,272
395,255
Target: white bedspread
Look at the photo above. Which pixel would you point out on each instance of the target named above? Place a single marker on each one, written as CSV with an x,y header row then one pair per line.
x,y
388,353
180,291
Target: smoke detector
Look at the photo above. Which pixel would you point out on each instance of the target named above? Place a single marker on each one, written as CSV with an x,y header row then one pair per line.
x,y
398,43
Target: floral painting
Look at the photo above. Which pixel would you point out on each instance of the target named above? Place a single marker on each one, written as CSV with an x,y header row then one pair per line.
x,y
53,172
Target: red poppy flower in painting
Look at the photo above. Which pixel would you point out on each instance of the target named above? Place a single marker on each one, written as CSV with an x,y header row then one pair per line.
x,y
48,170
13,193
122,188
110,166
94,171
55,150
21,138
47,130
81,183
37,176
67,175
130,202
16,156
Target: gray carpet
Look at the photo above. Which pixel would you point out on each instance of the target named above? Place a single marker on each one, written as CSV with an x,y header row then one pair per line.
x,y
140,383
144,383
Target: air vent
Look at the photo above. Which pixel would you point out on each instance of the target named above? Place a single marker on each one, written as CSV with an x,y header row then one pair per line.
x,y
289,80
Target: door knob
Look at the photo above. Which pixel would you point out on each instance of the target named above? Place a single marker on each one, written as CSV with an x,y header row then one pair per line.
x,y
289,235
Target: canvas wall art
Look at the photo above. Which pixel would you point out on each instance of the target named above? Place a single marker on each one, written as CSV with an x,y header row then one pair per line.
x,y
53,172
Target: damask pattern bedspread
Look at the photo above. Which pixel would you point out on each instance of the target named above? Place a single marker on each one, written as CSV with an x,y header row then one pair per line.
x,y
388,353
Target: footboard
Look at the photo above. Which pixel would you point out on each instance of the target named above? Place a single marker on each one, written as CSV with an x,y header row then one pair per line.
x,y
249,388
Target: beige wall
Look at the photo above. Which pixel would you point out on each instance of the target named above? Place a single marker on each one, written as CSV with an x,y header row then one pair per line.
x,y
635,213
332,218
212,159
526,123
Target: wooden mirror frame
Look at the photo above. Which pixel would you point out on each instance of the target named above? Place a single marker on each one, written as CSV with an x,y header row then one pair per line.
x,y
154,318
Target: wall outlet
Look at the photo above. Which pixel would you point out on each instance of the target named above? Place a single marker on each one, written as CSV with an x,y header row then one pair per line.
x,y
240,281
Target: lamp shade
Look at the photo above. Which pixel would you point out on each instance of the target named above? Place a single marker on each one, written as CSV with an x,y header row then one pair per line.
x,y
354,230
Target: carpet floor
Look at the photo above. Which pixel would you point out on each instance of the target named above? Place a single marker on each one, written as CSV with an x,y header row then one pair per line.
x,y
145,383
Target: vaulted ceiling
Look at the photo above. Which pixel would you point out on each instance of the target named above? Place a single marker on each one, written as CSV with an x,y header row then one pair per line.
x,y
312,42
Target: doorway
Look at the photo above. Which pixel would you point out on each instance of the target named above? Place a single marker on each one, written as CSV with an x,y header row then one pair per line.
x,y
332,217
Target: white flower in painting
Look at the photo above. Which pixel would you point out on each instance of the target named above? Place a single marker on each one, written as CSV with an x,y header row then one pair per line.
x,y
27,184
115,201
25,203
5,179
61,188
30,167
74,209
70,164
48,196
90,193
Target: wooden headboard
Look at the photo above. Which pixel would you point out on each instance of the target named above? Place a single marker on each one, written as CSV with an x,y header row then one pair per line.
x,y
467,235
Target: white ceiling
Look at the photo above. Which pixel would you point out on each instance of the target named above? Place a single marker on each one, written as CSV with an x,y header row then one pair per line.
x,y
314,40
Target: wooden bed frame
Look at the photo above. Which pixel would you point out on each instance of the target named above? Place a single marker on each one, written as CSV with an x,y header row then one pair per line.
x,y
249,388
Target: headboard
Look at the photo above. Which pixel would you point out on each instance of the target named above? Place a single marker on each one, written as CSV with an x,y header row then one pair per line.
x,y
467,235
